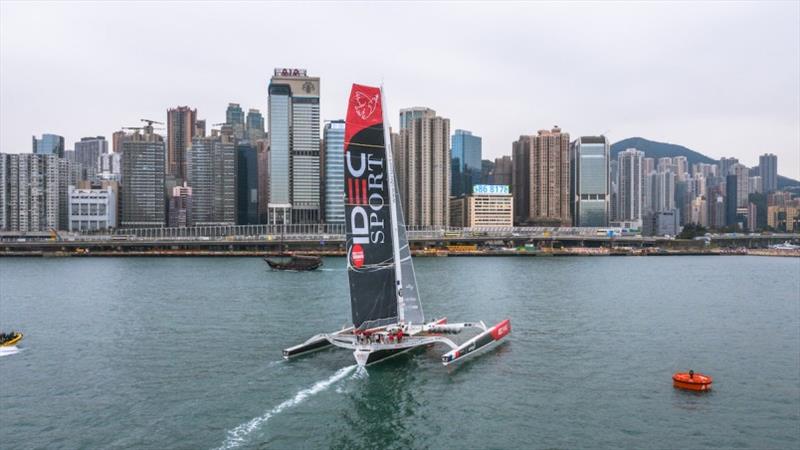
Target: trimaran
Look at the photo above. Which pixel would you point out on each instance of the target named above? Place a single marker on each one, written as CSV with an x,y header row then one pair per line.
x,y
386,310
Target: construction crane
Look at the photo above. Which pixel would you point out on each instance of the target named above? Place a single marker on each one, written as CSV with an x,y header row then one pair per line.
x,y
150,122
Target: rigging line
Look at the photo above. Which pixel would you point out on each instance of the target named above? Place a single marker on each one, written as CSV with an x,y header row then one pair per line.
x,y
364,145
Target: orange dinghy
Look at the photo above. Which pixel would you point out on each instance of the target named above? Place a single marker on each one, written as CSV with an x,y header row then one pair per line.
x,y
692,381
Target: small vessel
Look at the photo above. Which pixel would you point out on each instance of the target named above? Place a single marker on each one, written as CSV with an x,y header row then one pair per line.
x,y
387,317
692,381
299,263
785,246
10,339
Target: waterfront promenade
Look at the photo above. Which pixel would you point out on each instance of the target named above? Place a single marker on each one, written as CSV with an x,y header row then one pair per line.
x,y
256,240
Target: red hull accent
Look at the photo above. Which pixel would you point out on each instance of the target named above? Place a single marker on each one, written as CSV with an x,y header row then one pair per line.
x,y
501,329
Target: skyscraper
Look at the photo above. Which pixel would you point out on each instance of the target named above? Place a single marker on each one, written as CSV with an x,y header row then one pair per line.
x,y
502,172
333,140
742,184
630,168
649,166
423,167
549,178
590,181
88,152
731,200
181,128
293,116
246,183
768,169
234,116
521,178
681,166
116,141
143,168
262,159
465,162
49,144
30,192
725,165
255,125
211,170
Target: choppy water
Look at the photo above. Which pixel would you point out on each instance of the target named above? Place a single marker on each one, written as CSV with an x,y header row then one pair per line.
x,y
185,353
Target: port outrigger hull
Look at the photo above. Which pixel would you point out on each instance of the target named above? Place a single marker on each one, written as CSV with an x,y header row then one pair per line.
x,y
379,344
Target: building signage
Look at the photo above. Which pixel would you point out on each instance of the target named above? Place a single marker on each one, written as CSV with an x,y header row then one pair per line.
x,y
491,189
286,72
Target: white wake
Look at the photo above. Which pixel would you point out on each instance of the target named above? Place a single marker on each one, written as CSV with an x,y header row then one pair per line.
x,y
238,435
6,351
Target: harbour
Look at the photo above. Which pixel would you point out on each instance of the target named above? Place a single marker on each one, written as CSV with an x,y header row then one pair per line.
x,y
186,352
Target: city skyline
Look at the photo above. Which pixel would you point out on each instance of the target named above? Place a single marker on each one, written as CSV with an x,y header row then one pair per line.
x,y
671,87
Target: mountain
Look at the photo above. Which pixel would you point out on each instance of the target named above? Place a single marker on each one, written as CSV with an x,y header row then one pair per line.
x,y
653,149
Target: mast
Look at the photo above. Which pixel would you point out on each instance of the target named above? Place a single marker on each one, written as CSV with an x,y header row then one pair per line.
x,y
398,272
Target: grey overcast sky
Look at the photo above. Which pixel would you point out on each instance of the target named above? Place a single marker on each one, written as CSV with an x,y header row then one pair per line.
x,y
720,78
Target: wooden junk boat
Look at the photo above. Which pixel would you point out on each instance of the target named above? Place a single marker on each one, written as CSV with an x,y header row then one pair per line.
x,y
387,317
299,263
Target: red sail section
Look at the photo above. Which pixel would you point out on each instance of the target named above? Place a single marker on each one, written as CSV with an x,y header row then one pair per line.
x,y
363,111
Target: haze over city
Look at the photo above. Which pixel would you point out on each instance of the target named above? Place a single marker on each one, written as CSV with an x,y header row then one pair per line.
x,y
719,79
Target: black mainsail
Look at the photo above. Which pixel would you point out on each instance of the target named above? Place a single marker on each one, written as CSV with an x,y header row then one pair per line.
x,y
370,257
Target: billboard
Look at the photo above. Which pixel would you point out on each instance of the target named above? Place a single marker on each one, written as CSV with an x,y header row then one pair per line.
x,y
491,189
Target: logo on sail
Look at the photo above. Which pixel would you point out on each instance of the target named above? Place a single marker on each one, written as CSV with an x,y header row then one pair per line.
x,y
365,105
357,255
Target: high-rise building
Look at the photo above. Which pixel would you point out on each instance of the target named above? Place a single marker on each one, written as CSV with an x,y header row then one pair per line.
x,y
199,128
742,184
731,200
262,159
487,171
716,210
294,122
664,165
755,185
255,125
180,206
649,165
181,128
49,144
234,116
30,192
110,167
590,181
465,162
664,191
116,141
681,166
521,178
725,165
143,169
88,152
211,172
699,212
548,187
333,141
629,185
502,172
423,167
613,171
768,169
246,183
